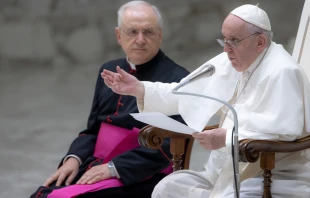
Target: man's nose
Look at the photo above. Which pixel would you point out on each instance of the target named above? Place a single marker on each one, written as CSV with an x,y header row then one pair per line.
x,y
227,47
140,38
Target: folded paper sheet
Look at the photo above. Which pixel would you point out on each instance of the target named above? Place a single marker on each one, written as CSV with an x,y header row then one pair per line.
x,y
162,121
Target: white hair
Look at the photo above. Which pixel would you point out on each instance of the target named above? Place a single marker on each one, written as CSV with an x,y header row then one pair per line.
x,y
122,9
253,29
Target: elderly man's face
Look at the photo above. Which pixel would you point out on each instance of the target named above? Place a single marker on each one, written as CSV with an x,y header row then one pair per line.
x,y
139,35
243,54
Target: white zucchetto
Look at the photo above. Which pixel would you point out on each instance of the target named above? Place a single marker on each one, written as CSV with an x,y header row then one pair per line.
x,y
253,14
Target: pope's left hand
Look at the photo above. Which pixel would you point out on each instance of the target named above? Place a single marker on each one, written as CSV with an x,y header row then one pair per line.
x,y
95,174
212,139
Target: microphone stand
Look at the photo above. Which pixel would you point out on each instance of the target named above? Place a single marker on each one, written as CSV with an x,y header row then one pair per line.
x,y
235,140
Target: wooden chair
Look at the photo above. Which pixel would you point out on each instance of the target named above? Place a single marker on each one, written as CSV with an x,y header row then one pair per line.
x,y
250,150
180,144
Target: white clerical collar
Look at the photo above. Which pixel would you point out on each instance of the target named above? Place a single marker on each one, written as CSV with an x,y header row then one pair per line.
x,y
256,62
132,66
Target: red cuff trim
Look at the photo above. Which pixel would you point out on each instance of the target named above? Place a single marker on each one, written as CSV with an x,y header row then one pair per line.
x,y
39,194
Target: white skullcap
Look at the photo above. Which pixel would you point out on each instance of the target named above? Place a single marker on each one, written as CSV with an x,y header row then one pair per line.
x,y
253,14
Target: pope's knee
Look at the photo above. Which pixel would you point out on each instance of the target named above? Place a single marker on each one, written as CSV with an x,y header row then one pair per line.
x,y
159,188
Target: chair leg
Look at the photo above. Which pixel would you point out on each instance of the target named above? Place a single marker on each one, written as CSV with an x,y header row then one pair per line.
x,y
177,162
177,146
267,184
267,163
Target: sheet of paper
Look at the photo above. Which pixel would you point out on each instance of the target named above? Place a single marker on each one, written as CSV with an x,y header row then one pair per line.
x,y
162,121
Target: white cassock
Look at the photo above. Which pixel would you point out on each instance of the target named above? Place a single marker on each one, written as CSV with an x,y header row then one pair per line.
x,y
272,104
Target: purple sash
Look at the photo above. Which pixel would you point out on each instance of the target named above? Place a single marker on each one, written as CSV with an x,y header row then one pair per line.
x,y
111,141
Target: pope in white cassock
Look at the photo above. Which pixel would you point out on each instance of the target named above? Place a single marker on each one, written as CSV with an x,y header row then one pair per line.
x,y
270,94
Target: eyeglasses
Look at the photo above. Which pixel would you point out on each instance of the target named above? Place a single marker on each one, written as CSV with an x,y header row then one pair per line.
x,y
234,41
149,32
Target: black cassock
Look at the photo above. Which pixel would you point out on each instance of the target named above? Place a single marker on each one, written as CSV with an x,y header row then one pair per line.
x,y
135,165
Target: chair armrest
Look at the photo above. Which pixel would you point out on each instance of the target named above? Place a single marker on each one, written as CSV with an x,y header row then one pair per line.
x,y
153,137
249,150
180,144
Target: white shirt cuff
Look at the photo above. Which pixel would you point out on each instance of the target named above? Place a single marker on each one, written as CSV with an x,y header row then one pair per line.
x,y
140,101
228,137
140,104
71,155
115,171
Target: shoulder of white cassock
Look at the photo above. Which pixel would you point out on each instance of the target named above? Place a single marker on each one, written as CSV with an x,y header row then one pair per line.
x,y
197,111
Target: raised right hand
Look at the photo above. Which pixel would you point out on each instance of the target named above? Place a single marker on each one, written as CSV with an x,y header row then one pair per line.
x,y
123,83
68,170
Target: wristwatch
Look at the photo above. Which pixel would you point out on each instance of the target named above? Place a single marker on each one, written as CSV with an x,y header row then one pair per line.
x,y
111,168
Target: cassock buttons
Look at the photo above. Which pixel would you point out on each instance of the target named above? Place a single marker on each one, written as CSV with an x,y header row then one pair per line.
x,y
109,119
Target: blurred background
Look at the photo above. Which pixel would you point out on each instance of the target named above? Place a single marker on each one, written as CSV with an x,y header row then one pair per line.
x,y
50,54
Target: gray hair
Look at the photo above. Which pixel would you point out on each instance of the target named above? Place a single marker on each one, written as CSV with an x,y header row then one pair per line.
x,y
122,9
253,29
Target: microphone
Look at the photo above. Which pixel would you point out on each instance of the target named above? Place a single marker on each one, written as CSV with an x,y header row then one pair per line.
x,y
210,70
207,70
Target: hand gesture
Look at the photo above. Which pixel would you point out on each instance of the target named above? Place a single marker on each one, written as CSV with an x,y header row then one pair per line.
x,y
95,174
68,170
212,139
123,83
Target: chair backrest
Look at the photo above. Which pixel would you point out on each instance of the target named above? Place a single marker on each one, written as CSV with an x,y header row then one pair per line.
x,y
301,52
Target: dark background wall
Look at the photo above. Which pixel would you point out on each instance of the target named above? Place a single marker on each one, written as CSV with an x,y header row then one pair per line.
x,y
78,32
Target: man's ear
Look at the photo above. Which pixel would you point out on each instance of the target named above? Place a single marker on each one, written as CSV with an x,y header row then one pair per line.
x,y
118,35
261,42
160,35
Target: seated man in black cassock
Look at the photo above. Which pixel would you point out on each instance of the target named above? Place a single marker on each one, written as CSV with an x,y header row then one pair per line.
x,y
96,164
